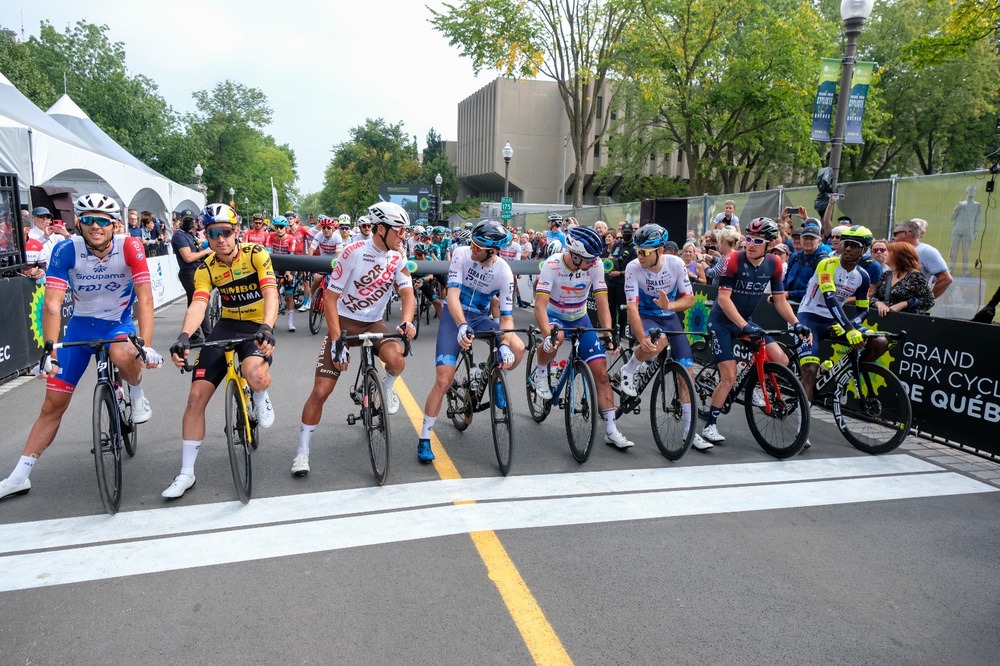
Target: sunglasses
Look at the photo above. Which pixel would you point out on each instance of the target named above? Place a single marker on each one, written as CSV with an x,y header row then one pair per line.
x,y
836,237
646,251
755,241
849,244
896,233
580,259
89,220
216,233
879,251
364,226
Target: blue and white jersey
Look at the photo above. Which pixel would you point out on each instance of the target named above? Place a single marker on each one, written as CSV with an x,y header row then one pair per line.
x,y
568,289
479,284
643,286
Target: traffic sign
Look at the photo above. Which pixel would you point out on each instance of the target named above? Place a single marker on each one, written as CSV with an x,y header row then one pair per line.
x,y
505,215
506,205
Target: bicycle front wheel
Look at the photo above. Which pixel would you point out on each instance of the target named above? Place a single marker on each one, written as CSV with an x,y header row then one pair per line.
x,y
316,315
580,410
878,418
778,415
236,439
500,420
460,395
376,420
418,317
538,407
673,425
107,447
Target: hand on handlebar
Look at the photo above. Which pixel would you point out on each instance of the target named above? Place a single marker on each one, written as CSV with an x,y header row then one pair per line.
x,y
551,342
465,336
752,329
802,331
408,329
265,340
179,350
856,339
506,357
341,356
153,357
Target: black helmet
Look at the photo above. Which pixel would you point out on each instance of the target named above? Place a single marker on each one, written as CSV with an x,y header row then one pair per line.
x,y
764,227
490,234
651,235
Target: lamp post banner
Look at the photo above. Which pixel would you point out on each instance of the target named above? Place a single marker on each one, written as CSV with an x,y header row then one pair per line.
x,y
856,102
823,107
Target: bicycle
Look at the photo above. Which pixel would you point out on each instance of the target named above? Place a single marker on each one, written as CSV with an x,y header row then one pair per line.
x,y
878,418
780,400
367,394
214,308
424,307
467,395
317,314
113,429
671,384
242,434
581,393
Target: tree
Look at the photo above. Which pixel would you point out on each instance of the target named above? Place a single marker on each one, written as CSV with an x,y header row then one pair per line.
x,y
574,42
18,64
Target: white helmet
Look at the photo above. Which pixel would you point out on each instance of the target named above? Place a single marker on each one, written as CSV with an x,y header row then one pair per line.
x,y
388,213
218,212
419,230
345,218
553,247
99,203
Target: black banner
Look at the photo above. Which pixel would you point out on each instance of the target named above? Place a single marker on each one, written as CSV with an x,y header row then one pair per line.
x,y
16,353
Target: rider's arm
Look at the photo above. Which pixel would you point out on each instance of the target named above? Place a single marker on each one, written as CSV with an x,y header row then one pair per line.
x,y
543,288
52,314
330,312
409,300
828,288
144,309
454,300
135,259
725,302
632,301
603,312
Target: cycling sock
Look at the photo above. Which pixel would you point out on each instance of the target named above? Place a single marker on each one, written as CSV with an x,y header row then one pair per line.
x,y
540,371
305,434
713,415
135,392
22,470
686,415
388,381
189,453
632,365
291,316
425,429
609,420
260,396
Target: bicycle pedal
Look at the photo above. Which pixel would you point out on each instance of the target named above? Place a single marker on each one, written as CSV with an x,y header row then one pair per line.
x,y
637,410
351,419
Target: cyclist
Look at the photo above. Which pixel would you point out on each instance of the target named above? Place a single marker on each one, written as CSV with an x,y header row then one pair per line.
x,y
565,281
835,281
555,229
364,229
305,236
476,276
344,229
425,283
657,287
107,275
327,243
745,274
441,245
257,234
243,275
283,242
357,290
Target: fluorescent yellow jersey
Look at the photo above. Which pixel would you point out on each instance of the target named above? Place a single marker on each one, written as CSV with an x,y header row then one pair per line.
x,y
241,284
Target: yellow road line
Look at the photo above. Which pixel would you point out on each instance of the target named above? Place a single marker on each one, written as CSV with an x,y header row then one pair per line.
x,y
539,637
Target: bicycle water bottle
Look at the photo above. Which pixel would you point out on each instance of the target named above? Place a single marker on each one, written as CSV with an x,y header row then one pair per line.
x,y
826,366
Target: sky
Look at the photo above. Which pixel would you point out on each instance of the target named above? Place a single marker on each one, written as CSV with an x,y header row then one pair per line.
x,y
325,65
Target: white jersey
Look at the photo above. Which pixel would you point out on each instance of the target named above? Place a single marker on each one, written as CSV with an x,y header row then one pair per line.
x,y
830,276
568,289
643,286
328,247
479,284
364,276
359,237
510,253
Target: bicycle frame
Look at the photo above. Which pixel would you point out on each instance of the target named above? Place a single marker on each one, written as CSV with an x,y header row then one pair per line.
x,y
234,372
574,355
756,363
494,341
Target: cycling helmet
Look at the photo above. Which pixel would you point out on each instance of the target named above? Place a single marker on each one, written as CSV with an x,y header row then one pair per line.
x,y
420,248
469,226
553,247
279,221
463,236
651,235
290,214
419,230
345,219
389,214
344,225
585,242
217,212
364,219
490,234
327,222
858,234
555,217
764,227
98,203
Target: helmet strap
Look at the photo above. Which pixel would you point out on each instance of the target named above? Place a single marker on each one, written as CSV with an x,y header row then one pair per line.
x,y
95,250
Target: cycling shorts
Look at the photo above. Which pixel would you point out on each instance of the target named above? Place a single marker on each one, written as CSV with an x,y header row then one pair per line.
x,y
448,348
324,364
680,346
287,287
820,327
724,332
591,347
73,361
211,363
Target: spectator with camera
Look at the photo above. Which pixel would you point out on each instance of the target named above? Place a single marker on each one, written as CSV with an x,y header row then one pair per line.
x,y
802,264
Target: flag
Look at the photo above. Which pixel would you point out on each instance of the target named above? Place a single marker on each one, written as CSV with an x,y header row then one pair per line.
x,y
856,102
823,107
274,200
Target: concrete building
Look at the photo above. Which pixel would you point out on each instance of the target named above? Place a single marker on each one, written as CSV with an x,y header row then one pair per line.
x,y
530,115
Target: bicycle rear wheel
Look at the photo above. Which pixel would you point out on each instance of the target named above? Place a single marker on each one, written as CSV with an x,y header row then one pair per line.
x,y
460,395
877,419
500,420
781,424
236,439
299,294
316,314
538,407
580,410
672,389
107,447
376,421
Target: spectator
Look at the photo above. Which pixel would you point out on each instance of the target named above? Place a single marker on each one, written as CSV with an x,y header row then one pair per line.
x,y
727,218
609,242
780,250
902,288
802,264
134,228
601,227
932,264
622,253
795,243
696,272
728,239
189,257
555,229
834,239
43,235
671,248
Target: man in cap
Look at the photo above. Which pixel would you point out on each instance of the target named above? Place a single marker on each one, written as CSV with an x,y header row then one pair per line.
x,y
42,237
189,255
622,253
802,264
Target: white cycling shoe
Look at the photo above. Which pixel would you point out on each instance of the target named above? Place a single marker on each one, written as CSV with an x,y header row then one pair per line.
x,y
300,466
629,384
141,411
712,434
264,412
701,443
542,389
391,401
617,440
181,483
8,489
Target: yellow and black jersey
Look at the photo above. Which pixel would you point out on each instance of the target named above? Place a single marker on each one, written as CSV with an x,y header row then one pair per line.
x,y
241,284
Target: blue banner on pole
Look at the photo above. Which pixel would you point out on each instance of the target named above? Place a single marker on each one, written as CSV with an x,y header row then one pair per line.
x,y
823,107
856,102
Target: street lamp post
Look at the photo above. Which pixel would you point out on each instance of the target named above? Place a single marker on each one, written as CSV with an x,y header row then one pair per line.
x,y
438,180
198,173
232,198
246,208
508,153
854,13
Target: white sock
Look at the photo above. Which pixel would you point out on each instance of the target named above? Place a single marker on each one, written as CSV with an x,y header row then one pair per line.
x,y
686,415
609,421
22,470
305,435
189,453
260,396
387,381
425,429
291,316
135,392
540,371
632,365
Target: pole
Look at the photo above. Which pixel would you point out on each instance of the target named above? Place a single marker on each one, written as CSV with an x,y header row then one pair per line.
x,y
852,28
506,176
562,185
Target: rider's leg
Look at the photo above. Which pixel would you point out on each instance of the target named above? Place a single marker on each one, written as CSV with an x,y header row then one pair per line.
x,y
42,433
443,377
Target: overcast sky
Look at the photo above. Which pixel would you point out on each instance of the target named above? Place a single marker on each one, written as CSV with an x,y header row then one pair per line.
x,y
326,65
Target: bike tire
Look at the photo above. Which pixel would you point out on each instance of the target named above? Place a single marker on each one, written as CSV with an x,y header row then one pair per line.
x,y
459,395
236,441
316,315
298,294
417,318
879,423
538,407
129,430
501,421
107,447
783,432
214,308
376,420
793,358
580,410
666,411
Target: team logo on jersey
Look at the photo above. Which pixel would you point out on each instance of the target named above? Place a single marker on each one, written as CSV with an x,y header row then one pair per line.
x,y
112,286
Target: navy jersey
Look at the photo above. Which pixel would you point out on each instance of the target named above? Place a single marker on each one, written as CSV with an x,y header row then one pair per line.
x,y
747,282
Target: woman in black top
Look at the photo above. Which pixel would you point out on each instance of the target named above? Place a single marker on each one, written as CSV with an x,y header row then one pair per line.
x,y
902,288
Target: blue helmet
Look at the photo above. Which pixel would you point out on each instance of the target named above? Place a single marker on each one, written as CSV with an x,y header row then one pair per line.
x,y
279,221
585,242
490,234
651,235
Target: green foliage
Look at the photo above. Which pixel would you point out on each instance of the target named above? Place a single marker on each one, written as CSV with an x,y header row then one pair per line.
x,y
653,186
470,209
18,64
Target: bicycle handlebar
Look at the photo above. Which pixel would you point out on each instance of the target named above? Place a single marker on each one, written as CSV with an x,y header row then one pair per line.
x,y
227,345
136,341
365,337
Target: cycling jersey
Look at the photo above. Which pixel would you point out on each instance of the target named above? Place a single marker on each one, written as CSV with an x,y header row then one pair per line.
x,y
510,253
746,282
441,249
479,284
364,277
241,284
568,289
258,237
830,287
101,288
643,286
304,234
360,238
288,244
327,247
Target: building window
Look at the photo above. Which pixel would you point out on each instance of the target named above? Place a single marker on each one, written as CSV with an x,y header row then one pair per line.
x,y
600,106
614,115
597,149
